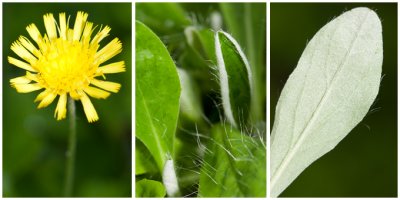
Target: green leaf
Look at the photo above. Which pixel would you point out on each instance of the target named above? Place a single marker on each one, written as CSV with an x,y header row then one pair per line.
x,y
202,41
330,91
206,37
163,18
149,188
234,165
144,163
234,78
157,95
246,22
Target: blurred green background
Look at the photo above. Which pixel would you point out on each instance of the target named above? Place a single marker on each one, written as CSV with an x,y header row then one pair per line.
x,y
34,143
364,164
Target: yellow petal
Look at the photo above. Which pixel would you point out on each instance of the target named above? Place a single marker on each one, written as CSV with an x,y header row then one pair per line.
x,y
61,109
42,95
106,85
101,35
25,88
63,26
88,107
47,100
29,77
34,33
22,52
70,34
44,44
32,77
87,32
28,45
20,80
80,20
21,64
110,50
111,68
50,25
96,92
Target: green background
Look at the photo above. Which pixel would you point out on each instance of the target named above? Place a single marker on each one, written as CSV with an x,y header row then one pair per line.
x,y
364,164
34,143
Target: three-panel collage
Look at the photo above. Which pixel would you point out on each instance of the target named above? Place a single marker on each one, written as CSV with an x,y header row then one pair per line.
x,y
199,99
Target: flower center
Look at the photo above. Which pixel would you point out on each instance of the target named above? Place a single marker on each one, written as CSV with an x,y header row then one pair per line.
x,y
66,66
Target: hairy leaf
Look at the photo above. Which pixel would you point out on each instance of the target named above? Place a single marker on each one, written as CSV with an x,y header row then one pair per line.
x,y
246,22
157,95
328,94
234,77
149,188
234,165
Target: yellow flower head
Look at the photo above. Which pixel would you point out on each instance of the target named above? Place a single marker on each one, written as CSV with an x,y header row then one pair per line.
x,y
65,62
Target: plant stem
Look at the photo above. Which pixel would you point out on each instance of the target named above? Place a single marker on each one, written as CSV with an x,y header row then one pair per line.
x,y
70,155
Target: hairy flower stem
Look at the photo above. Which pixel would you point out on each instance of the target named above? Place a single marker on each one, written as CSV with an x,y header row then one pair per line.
x,y
70,155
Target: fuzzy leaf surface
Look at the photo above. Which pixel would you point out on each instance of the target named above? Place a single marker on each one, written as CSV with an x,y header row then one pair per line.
x,y
234,78
330,91
246,23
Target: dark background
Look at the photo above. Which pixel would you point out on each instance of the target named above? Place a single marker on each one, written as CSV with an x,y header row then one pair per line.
x,y
34,142
364,164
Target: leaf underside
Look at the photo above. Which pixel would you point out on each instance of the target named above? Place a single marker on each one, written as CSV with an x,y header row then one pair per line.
x,y
330,91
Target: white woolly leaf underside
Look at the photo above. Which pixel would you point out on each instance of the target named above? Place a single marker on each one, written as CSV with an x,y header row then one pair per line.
x,y
170,180
330,91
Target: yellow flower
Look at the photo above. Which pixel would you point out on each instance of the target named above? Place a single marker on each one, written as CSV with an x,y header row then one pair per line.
x,y
65,62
